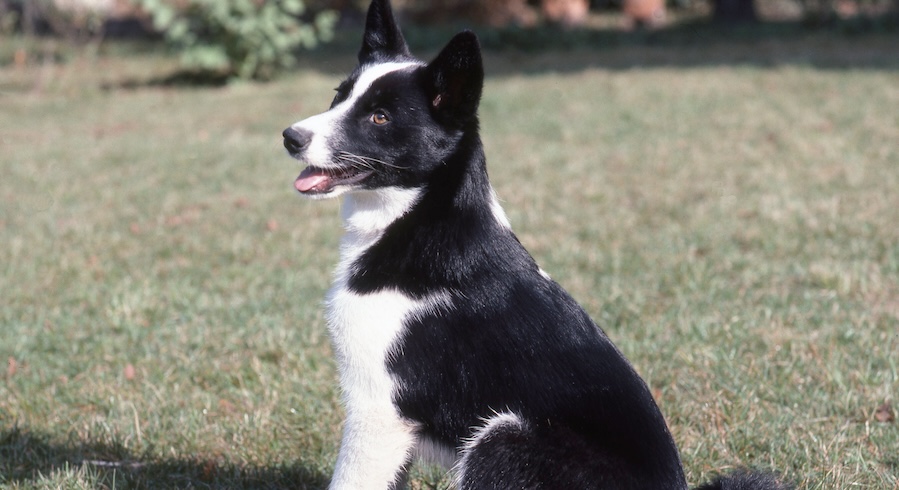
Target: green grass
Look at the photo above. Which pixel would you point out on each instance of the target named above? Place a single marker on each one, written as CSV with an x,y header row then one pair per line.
x,y
728,214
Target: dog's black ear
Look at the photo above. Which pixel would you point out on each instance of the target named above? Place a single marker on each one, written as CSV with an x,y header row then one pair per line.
x,y
457,78
382,37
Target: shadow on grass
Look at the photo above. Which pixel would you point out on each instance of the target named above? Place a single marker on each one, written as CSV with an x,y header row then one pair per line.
x,y
176,79
26,455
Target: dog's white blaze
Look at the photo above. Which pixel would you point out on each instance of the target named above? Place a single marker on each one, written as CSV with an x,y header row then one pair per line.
x,y
324,125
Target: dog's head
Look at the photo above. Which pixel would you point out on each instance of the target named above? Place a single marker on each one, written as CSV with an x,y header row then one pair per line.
x,y
394,119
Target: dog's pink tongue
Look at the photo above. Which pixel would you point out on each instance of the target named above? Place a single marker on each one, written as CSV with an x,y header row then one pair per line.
x,y
311,179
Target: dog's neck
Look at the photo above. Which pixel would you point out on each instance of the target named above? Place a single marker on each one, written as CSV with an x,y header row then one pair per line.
x,y
366,214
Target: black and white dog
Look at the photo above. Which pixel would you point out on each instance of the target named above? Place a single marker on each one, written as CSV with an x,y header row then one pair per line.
x,y
451,342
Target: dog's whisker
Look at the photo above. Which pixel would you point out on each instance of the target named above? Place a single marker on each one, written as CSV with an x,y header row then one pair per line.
x,y
349,157
357,162
353,160
368,162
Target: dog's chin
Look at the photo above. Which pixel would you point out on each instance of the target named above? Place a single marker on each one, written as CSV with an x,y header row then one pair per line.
x,y
321,183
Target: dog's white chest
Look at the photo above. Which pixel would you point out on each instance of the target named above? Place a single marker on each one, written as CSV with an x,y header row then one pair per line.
x,y
364,328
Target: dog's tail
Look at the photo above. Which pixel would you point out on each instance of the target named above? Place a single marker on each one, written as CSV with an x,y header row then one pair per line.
x,y
746,480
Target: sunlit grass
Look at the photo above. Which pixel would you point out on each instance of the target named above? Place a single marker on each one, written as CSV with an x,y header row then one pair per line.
x,y
733,227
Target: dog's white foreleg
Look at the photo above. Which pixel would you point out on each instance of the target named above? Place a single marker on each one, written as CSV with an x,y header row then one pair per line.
x,y
376,447
377,442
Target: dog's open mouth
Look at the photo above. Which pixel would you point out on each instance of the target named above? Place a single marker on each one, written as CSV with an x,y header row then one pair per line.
x,y
315,180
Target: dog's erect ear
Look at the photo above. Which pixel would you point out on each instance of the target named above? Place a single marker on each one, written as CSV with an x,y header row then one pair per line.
x,y
382,34
457,77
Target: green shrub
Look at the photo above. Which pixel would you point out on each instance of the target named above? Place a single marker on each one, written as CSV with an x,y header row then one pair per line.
x,y
239,38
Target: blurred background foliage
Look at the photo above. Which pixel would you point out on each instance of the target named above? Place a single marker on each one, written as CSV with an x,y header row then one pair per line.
x,y
255,39
246,38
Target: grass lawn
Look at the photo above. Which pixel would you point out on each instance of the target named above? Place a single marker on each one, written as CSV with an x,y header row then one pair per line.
x,y
729,214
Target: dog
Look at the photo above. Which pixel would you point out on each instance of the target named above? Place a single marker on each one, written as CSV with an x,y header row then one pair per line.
x,y
452,343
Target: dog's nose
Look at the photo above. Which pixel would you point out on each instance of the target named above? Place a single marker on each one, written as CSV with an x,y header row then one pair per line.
x,y
296,139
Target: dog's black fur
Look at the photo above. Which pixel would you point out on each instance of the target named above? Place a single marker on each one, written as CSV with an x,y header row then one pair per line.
x,y
505,372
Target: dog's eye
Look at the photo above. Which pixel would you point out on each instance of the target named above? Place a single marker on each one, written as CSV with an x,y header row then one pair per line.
x,y
379,118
